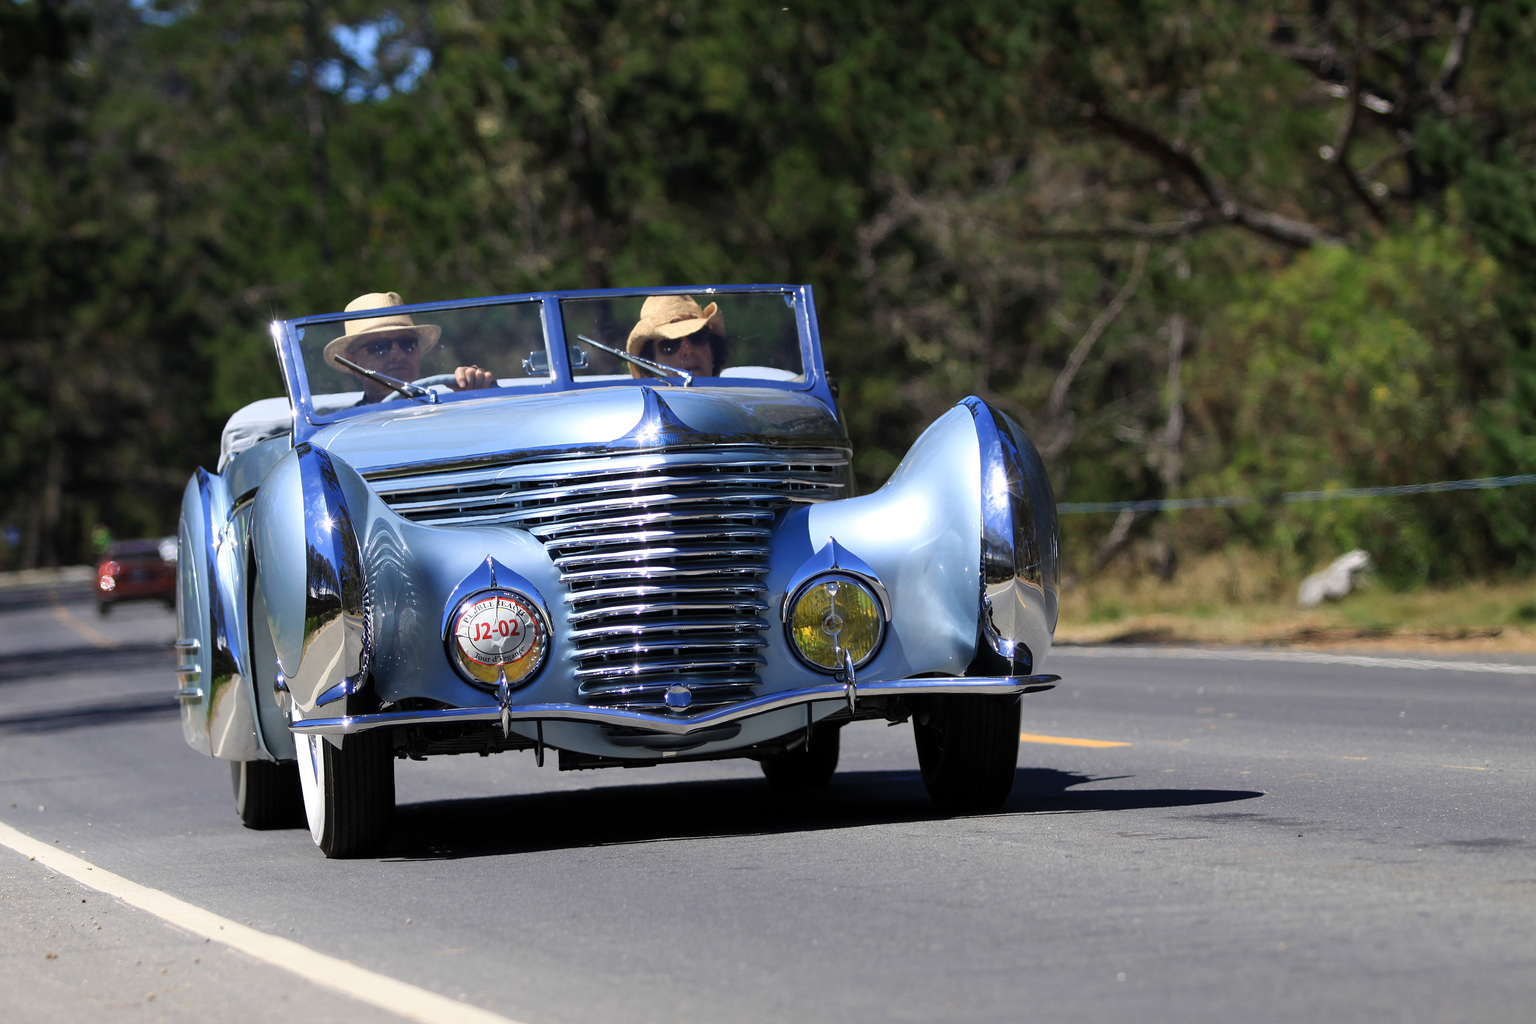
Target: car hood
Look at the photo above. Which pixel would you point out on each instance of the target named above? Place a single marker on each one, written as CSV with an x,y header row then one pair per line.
x,y
627,417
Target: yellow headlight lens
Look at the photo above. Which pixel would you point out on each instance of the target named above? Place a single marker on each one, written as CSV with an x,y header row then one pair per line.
x,y
834,615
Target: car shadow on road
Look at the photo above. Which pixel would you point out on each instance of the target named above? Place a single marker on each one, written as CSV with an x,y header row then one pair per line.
x,y
28,666
106,712
680,811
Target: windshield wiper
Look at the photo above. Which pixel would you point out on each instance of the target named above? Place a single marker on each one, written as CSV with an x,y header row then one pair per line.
x,y
661,369
408,390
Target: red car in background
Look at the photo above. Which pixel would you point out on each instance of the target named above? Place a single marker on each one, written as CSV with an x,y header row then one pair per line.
x,y
137,570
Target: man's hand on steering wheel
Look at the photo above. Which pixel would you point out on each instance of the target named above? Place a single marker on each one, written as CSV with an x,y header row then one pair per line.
x,y
469,378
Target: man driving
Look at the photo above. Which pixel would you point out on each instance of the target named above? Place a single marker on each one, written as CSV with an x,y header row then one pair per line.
x,y
393,345
674,331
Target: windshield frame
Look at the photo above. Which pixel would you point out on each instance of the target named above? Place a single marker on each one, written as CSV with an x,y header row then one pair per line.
x,y
286,336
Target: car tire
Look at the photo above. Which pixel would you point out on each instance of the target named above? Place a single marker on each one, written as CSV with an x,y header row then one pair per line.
x,y
968,750
807,767
267,794
349,794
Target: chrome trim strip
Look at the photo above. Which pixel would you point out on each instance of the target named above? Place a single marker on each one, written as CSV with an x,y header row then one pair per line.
x,y
723,662
805,449
718,689
664,498
634,556
187,646
554,531
620,477
745,588
730,624
636,481
189,693
740,606
667,572
738,503
605,541
680,725
661,639
345,688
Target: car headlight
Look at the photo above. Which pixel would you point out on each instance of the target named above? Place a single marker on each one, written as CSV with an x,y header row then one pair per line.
x,y
496,632
833,614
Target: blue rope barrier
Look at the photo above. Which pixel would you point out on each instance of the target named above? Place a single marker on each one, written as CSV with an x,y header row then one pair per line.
x,y
1483,483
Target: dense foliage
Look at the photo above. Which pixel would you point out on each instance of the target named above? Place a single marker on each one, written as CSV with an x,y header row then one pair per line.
x,y
1196,247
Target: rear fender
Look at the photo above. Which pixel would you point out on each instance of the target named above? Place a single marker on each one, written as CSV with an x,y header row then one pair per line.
x,y
217,711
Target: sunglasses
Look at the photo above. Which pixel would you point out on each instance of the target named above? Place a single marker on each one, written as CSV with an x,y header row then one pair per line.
x,y
380,348
670,346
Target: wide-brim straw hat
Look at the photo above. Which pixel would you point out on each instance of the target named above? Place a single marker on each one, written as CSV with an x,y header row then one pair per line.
x,y
393,323
673,316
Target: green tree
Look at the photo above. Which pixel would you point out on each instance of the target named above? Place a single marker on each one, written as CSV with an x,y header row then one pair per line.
x,y
1385,366
1089,213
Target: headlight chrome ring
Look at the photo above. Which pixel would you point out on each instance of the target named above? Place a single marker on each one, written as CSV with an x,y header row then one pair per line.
x,y
495,632
831,614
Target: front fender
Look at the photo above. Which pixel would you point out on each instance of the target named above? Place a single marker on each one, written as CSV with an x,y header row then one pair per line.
x,y
309,572
1020,544
963,537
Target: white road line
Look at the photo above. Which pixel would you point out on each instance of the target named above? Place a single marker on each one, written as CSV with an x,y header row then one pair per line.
x,y
1305,657
361,984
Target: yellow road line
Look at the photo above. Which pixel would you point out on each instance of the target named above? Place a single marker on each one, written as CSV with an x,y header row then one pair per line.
x,y
73,621
365,986
1468,767
1068,741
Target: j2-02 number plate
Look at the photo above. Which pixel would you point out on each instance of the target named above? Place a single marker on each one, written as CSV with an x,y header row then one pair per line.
x,y
498,633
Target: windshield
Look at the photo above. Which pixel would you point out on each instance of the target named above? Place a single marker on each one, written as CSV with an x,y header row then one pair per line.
x,y
730,335
495,345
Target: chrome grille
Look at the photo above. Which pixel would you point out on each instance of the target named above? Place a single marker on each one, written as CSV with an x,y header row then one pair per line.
x,y
663,555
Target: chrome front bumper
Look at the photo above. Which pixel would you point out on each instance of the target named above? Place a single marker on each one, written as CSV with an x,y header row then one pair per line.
x,y
681,724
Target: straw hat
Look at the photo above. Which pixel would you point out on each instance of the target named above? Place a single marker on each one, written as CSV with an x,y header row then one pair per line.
x,y
673,316
394,323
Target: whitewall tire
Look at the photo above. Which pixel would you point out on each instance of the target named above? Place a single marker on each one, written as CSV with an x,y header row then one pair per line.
x,y
349,794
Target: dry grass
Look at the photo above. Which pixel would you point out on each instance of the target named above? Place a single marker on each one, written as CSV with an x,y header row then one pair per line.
x,y
1244,599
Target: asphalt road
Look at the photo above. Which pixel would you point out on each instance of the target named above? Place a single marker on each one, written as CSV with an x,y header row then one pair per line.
x,y
1273,840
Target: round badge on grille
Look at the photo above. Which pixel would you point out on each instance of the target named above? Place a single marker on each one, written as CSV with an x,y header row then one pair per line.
x,y
498,632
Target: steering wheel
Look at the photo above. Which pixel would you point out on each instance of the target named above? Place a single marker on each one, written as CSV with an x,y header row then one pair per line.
x,y
423,382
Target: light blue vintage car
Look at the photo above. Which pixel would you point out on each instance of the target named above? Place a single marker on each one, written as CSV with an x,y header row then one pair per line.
x,y
598,554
